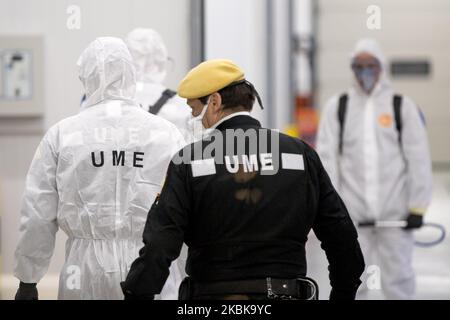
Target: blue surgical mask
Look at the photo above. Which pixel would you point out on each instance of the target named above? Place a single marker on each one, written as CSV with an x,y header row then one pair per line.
x,y
367,78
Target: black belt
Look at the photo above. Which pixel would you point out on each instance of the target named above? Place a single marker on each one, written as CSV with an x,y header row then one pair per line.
x,y
303,288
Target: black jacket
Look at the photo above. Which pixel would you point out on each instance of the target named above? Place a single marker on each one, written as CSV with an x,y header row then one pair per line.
x,y
241,225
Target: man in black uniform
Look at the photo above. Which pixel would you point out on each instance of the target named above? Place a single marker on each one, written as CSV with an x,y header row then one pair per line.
x,y
243,199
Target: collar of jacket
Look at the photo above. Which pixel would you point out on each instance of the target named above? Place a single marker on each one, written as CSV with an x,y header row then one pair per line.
x,y
239,122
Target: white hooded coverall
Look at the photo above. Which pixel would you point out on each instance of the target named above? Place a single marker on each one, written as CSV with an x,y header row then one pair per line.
x,y
95,176
378,178
151,61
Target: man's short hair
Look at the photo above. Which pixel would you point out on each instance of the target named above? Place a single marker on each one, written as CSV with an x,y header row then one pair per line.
x,y
235,95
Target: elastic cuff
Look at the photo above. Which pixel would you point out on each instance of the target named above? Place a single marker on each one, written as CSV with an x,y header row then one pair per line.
x,y
418,211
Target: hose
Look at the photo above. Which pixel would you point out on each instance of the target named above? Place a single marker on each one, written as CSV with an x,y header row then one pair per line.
x,y
402,224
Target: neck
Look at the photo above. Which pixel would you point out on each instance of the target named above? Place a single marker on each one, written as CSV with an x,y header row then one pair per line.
x,y
230,111
225,114
230,115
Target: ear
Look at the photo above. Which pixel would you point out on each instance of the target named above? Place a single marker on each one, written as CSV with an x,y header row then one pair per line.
x,y
216,101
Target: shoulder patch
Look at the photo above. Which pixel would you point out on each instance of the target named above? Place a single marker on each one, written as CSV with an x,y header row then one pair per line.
x,y
292,161
385,120
205,167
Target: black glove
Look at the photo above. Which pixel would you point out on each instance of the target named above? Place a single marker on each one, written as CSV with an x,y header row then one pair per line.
x,y
27,291
414,221
128,295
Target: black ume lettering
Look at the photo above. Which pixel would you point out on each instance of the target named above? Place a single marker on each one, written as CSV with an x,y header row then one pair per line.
x,y
102,159
137,158
118,157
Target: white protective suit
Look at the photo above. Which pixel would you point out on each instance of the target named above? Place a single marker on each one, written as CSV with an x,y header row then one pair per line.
x,y
378,179
95,176
151,60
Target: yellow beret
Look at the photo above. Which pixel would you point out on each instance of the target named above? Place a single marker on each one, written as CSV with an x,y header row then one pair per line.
x,y
209,77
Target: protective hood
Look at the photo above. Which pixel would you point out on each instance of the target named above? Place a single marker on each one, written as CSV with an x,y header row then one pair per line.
x,y
371,46
107,72
149,54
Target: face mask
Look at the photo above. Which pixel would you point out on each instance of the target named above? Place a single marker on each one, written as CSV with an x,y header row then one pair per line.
x,y
367,79
195,124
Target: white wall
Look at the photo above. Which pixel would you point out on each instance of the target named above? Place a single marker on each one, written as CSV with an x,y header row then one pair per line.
x,y
19,138
409,29
303,29
236,30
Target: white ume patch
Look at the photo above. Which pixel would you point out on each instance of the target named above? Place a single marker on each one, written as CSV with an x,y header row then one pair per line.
x,y
103,135
292,161
204,167
249,163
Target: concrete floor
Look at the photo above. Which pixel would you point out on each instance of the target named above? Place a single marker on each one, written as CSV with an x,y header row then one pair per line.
x,y
432,265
